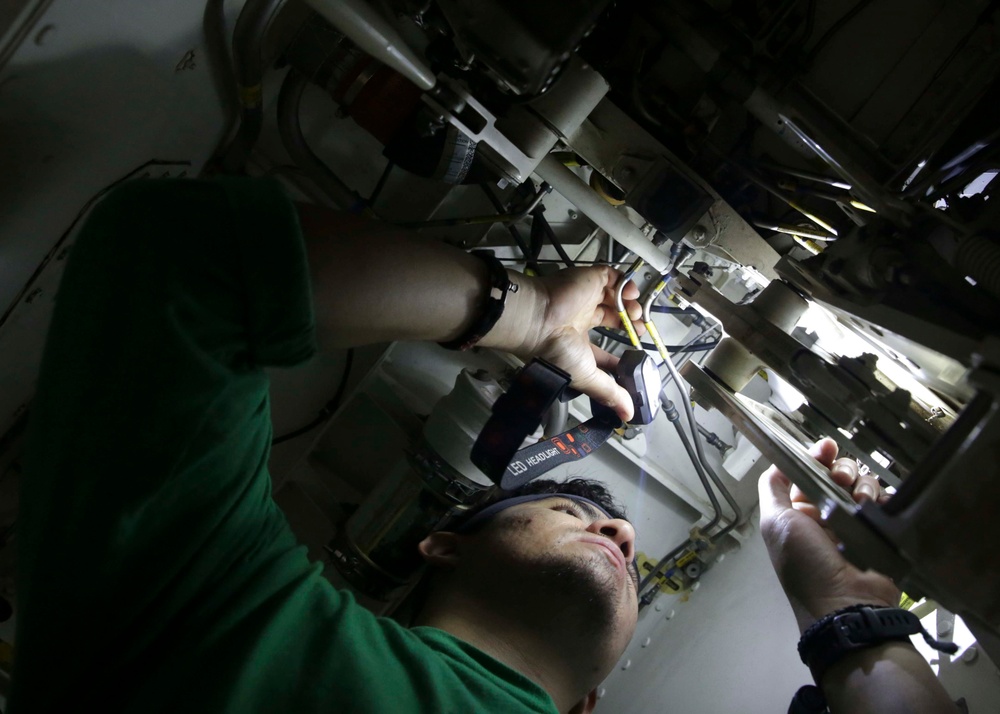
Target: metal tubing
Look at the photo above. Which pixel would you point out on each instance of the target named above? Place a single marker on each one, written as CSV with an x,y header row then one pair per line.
x,y
601,212
794,230
295,143
364,26
248,66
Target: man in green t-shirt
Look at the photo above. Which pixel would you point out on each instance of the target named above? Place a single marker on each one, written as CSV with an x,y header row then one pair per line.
x,y
156,574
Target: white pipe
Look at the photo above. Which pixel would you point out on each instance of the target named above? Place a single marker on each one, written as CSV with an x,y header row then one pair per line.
x,y
366,28
600,212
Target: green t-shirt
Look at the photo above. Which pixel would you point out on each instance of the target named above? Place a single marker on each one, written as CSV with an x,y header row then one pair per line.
x,y
156,574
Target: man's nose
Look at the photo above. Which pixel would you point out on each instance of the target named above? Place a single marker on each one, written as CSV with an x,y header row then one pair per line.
x,y
618,530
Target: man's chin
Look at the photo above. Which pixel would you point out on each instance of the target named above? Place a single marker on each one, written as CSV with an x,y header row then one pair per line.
x,y
585,586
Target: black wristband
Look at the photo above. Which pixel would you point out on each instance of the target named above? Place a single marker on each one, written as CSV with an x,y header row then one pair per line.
x,y
496,298
858,627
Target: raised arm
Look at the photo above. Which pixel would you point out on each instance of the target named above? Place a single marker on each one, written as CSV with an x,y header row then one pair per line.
x,y
374,283
818,580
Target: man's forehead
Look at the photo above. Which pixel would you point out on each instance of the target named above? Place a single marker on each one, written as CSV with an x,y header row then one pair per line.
x,y
594,510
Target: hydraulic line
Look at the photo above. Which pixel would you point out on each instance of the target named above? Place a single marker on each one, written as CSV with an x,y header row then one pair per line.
x,y
688,347
647,317
289,101
620,302
688,409
248,38
703,477
696,437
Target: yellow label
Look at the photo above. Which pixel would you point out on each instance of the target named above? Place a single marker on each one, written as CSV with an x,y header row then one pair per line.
x,y
627,324
655,334
686,558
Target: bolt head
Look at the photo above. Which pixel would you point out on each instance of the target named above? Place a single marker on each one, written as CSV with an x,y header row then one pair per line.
x,y
626,664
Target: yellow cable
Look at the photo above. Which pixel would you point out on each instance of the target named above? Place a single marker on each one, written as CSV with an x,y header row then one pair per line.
x,y
627,324
654,333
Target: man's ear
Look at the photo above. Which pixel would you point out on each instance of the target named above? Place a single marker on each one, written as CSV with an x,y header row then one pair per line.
x,y
585,705
441,549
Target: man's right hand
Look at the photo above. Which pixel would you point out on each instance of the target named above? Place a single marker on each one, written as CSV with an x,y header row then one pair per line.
x,y
816,578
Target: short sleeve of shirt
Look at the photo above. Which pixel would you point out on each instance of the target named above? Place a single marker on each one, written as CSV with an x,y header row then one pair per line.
x,y
146,485
156,573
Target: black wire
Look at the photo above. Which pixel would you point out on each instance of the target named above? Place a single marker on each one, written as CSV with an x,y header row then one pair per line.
x,y
538,215
670,310
328,409
514,233
700,347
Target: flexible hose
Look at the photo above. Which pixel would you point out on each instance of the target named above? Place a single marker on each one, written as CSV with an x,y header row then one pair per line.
x,y
289,100
248,38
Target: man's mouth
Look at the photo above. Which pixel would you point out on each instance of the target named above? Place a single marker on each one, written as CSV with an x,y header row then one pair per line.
x,y
614,554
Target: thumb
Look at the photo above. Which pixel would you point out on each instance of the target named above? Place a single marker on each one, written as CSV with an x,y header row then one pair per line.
x,y
601,386
775,491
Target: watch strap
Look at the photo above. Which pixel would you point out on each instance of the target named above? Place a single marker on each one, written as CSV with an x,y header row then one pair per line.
x,y
490,312
858,627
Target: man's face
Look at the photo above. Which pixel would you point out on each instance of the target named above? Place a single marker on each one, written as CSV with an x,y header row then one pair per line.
x,y
571,554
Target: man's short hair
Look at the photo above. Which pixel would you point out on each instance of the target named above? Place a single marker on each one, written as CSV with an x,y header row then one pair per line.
x,y
585,488
592,490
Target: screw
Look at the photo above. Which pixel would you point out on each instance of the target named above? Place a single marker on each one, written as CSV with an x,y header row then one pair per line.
x,y
573,215
658,607
628,663
670,615
969,656
645,642
601,691
699,233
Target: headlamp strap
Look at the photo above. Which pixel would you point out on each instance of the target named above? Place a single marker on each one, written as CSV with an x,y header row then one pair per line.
x,y
517,414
